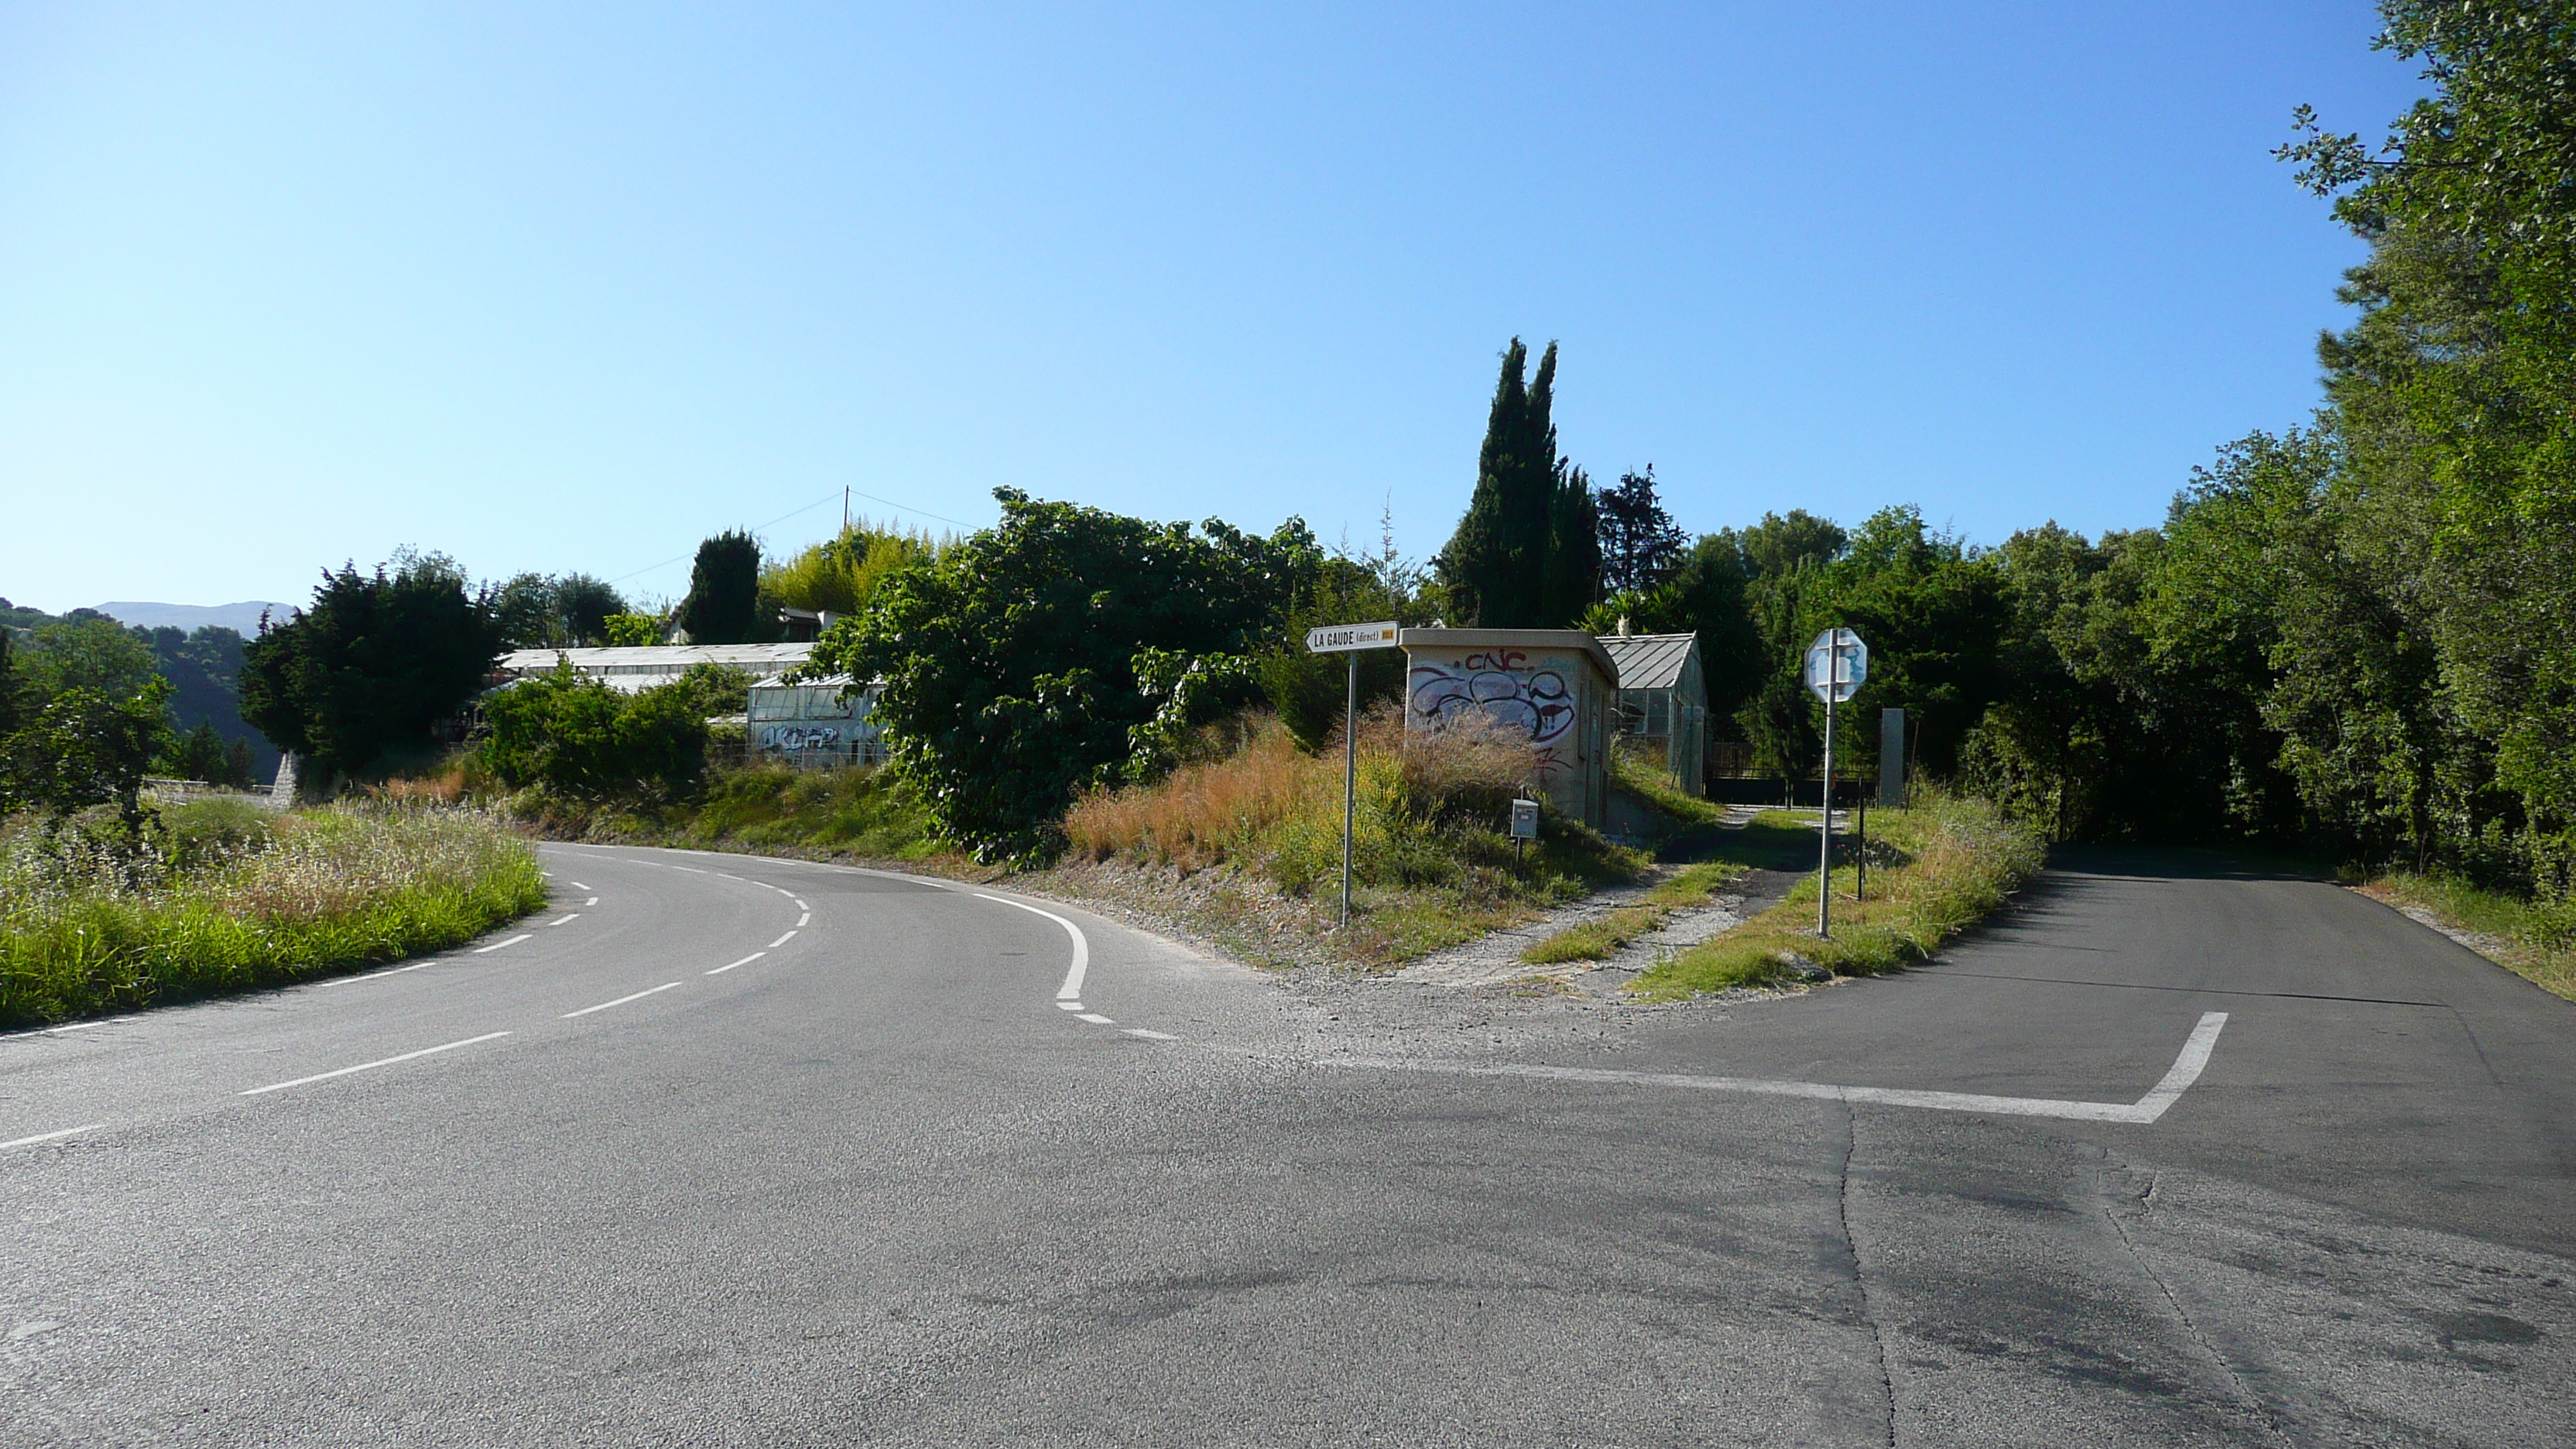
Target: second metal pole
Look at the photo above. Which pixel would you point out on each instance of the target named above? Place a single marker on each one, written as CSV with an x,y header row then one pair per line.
x,y
1350,777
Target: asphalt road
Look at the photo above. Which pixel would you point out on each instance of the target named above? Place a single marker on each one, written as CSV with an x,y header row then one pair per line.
x,y
2170,1155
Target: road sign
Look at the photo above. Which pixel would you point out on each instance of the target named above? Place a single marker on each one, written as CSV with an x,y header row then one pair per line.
x,y
1837,664
1336,638
1350,639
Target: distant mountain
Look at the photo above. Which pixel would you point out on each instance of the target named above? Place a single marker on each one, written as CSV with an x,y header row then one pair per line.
x,y
241,618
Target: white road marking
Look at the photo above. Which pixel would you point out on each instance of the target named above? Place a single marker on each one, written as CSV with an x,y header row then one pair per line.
x,y
781,941
577,885
50,1136
2186,1070
594,900
381,1062
575,916
621,1001
745,961
1096,1019
801,920
800,905
720,875
74,1026
497,945
691,869
1149,1035
1070,1005
372,975
1071,990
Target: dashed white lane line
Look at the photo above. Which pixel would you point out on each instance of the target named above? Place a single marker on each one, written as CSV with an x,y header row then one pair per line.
x,y
745,961
621,1001
380,1062
1069,1005
49,1136
1149,1035
1071,990
800,905
720,875
371,976
691,869
567,920
1096,1019
594,900
781,941
577,885
497,945
2186,1070
801,920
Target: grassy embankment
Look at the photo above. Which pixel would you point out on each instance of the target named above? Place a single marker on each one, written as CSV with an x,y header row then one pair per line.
x,y
2534,940
862,813
1935,870
1245,847
227,898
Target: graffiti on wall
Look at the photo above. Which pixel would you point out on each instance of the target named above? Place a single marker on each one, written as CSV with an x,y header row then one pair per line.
x,y
1502,685
800,737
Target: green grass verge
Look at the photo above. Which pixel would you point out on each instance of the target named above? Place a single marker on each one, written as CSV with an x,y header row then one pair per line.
x,y
862,813
1600,939
1935,870
310,895
2535,940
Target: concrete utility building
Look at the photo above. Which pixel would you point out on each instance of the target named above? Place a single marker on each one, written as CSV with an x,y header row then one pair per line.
x,y
1554,685
1662,705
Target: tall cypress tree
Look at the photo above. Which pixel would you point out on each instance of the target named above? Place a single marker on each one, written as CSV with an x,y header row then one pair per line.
x,y
1525,555
723,606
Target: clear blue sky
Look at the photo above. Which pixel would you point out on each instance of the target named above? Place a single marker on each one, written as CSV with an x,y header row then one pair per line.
x,y
548,287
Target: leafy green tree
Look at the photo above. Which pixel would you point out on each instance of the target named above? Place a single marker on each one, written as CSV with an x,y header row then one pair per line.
x,y
632,630
724,601
94,653
196,754
538,611
841,574
1010,665
1527,553
85,747
378,666
1310,691
576,736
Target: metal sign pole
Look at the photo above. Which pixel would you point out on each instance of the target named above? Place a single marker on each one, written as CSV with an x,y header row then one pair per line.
x,y
1825,819
1350,778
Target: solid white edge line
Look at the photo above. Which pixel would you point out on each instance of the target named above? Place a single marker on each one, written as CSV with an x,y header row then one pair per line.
x,y
370,1066
802,919
74,1026
781,941
621,1001
1071,990
745,961
50,1136
2186,1070
575,916
370,976
497,945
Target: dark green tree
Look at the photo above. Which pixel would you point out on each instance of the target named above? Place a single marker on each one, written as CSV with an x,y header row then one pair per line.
x,y
85,747
723,604
1011,663
1640,545
1525,556
378,666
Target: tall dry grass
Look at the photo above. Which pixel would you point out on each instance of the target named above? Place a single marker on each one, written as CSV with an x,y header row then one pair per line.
x,y
1431,810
